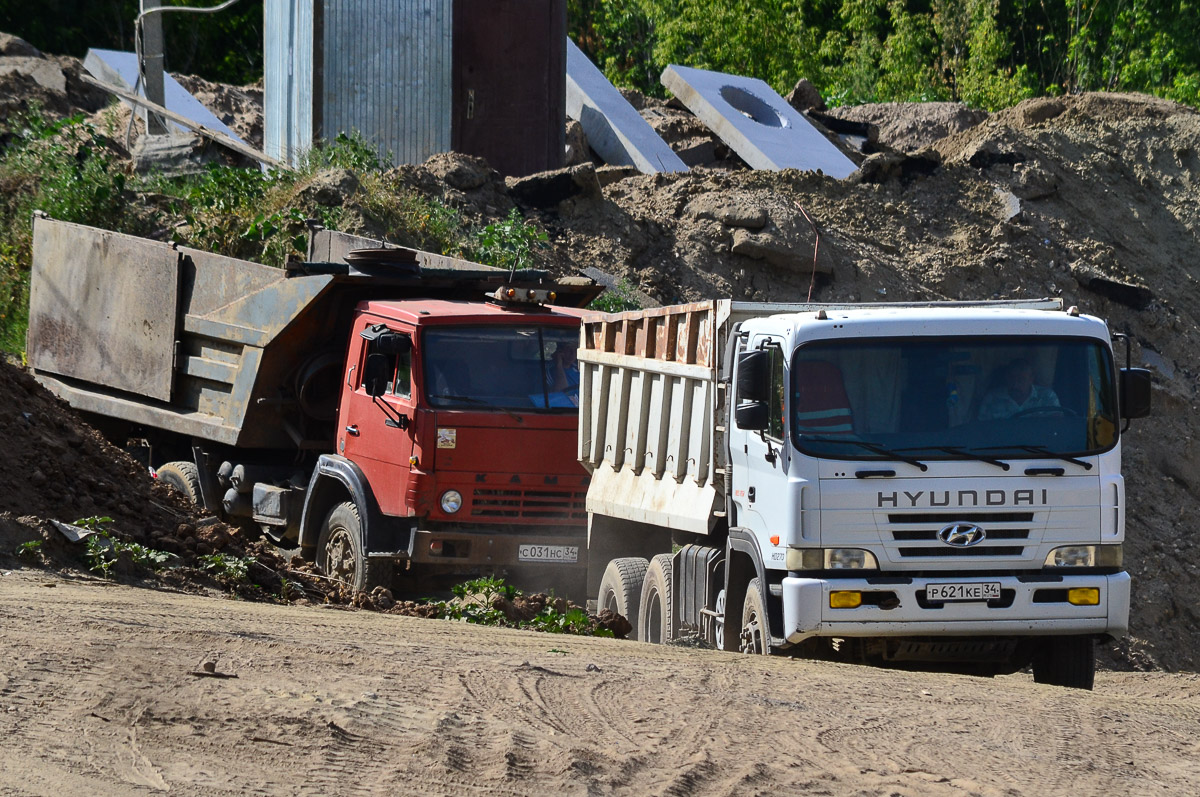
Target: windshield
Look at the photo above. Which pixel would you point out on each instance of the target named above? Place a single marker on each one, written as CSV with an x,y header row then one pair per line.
x,y
505,367
977,398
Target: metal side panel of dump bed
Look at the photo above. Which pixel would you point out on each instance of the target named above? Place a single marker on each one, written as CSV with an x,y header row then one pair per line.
x,y
647,415
172,337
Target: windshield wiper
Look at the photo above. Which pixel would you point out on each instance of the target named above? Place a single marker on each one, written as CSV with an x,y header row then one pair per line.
x,y
1047,452
488,404
873,447
961,452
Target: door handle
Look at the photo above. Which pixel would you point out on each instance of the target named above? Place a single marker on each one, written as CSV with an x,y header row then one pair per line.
x,y
750,494
352,430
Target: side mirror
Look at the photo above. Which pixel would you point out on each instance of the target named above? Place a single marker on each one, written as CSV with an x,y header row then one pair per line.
x,y
377,374
1134,390
386,341
752,415
394,343
753,380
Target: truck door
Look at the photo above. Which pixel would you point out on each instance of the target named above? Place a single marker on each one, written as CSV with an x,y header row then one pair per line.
x,y
760,458
376,432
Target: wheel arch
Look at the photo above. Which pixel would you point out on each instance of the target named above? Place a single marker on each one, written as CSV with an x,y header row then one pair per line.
x,y
336,479
742,564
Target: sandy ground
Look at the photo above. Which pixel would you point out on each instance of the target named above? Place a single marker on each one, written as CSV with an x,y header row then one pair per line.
x,y
97,697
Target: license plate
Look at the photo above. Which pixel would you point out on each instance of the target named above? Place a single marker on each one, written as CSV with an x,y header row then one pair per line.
x,y
987,591
548,553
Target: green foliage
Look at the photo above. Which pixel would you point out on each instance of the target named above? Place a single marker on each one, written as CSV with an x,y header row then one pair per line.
x,y
226,46
510,243
616,299
104,550
31,549
347,151
983,52
223,565
476,602
410,219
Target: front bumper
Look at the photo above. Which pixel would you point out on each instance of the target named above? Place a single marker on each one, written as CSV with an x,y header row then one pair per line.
x,y
806,611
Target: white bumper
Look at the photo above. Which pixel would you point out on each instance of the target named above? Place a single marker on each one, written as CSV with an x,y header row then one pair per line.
x,y
806,611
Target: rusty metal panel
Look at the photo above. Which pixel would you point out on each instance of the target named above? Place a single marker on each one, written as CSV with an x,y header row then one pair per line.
x,y
509,83
102,308
385,71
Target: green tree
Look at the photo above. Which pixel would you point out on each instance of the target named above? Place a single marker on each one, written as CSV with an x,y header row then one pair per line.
x,y
225,46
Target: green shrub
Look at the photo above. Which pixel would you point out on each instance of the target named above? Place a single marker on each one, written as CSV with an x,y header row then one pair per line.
x,y
510,244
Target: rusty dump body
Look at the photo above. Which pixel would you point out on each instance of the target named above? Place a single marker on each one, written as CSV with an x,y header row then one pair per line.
x,y
210,347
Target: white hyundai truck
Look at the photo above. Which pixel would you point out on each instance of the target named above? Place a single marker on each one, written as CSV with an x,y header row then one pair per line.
x,y
934,486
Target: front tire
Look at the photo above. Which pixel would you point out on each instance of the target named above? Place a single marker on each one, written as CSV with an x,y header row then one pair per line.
x,y
756,631
656,610
1068,661
340,552
621,587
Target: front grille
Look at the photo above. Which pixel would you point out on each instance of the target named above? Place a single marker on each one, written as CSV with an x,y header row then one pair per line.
x,y
518,504
915,535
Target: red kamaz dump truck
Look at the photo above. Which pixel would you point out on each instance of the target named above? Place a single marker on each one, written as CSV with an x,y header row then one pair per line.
x,y
400,417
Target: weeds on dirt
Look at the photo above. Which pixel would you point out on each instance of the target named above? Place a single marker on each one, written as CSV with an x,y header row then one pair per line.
x,y
223,565
104,550
31,549
512,243
490,601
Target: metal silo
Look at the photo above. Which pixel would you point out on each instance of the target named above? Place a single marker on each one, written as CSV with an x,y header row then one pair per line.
x,y
418,77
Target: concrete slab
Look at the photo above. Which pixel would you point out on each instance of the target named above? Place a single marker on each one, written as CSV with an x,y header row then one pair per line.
x,y
614,129
756,123
120,69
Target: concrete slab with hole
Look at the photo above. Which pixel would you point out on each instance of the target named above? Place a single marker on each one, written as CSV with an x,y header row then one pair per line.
x,y
755,122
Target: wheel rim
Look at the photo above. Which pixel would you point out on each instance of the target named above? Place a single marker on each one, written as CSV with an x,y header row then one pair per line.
x,y
751,637
339,556
719,621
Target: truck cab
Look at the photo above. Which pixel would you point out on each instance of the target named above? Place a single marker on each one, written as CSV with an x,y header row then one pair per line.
x,y
461,419
934,486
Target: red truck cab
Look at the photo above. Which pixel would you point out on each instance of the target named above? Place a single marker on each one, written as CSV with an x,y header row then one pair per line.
x,y
460,420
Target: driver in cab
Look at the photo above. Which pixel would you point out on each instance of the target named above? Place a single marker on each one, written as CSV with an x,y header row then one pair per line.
x,y
1017,394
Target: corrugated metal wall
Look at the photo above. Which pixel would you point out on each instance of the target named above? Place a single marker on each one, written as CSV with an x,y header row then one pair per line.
x,y
387,70
288,78
383,68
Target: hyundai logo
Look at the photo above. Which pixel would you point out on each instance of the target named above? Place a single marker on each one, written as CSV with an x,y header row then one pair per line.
x,y
961,535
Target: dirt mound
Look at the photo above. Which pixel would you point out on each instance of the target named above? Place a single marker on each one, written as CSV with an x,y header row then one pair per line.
x,y
912,126
58,467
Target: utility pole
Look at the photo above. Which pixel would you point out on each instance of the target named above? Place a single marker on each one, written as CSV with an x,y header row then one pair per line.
x,y
152,65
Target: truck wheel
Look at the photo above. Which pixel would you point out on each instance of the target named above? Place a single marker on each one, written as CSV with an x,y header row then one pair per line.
x,y
656,621
1066,661
184,477
621,587
340,553
756,633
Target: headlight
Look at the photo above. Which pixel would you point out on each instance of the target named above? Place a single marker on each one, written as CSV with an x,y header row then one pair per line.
x,y
451,501
830,559
1086,556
